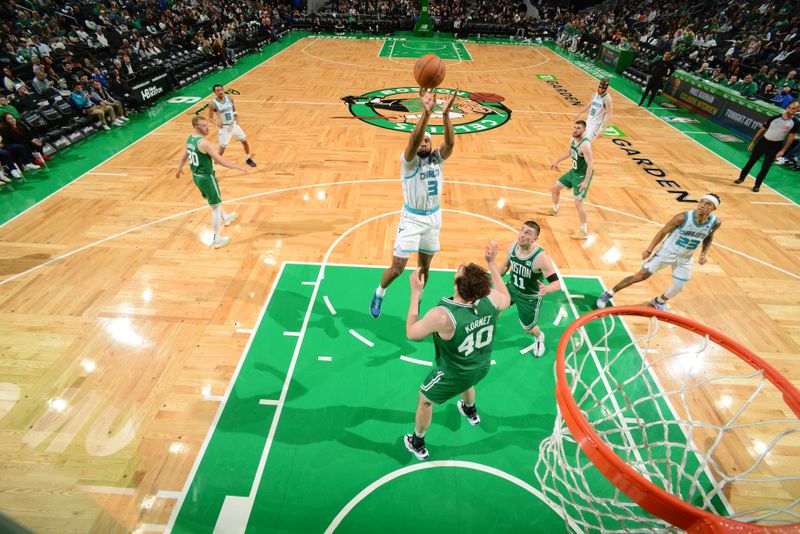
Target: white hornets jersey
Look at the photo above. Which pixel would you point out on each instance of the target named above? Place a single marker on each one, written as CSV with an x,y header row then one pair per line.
x,y
225,110
422,183
597,111
684,240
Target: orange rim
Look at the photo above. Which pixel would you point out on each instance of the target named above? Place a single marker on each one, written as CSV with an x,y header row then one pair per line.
x,y
646,494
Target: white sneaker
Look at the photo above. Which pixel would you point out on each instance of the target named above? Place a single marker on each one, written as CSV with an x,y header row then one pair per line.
x,y
780,161
220,242
538,346
118,122
602,300
31,166
658,305
4,178
124,118
230,218
106,127
16,174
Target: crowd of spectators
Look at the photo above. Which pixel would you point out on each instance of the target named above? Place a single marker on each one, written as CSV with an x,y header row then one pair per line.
x,y
77,58
751,47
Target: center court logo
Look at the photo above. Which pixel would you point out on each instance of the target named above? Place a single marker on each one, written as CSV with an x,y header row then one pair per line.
x,y
400,108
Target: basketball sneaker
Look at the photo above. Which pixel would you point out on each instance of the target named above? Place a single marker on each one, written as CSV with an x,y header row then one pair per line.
x,y
470,412
250,162
602,300
416,446
230,218
580,234
553,212
660,306
538,346
375,305
220,242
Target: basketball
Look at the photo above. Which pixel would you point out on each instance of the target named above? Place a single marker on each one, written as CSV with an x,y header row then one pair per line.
x,y
429,71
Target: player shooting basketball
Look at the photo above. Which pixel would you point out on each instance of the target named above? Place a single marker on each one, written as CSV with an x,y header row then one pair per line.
x,y
421,218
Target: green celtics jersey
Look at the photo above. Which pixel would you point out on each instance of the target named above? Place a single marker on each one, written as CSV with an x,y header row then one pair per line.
x,y
578,162
199,162
525,276
471,344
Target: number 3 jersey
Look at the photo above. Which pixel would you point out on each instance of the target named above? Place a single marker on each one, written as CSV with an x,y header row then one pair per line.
x,y
422,183
684,240
471,345
525,276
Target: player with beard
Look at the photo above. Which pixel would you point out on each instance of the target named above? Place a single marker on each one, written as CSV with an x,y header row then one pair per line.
x,y
421,218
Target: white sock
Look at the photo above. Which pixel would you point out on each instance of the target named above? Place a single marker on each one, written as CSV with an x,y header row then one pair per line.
x,y
555,207
380,291
420,435
247,156
468,405
660,300
216,219
585,228
610,292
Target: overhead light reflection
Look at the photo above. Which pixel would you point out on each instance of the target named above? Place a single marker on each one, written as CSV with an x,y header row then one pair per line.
x,y
147,295
122,332
612,255
58,405
589,241
206,237
501,203
88,365
176,447
321,195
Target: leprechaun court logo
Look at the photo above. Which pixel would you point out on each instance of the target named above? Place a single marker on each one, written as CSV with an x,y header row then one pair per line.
x,y
400,108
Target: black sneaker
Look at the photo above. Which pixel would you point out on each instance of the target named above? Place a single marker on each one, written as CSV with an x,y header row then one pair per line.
x,y
250,162
756,188
739,181
416,446
470,412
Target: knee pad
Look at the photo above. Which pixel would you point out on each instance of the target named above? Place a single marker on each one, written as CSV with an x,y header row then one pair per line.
x,y
675,288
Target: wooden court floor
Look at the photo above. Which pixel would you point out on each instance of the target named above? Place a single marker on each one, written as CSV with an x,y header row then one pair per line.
x,y
121,328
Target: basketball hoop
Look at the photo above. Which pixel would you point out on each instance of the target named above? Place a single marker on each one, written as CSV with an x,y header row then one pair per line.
x,y
628,454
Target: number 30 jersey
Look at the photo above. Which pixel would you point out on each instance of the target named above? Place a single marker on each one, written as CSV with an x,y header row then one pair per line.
x,y
683,241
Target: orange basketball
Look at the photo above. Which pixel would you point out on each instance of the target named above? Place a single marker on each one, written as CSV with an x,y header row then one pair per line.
x,y
429,71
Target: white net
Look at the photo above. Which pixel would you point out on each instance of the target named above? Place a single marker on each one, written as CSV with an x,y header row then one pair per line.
x,y
688,415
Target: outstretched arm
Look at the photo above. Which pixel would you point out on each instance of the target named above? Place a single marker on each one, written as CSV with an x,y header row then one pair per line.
x,y
583,110
564,156
419,130
436,320
707,244
181,163
499,292
586,150
545,264
207,148
449,133
673,223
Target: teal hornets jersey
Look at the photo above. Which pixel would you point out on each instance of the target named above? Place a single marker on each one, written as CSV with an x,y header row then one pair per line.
x,y
422,183
471,344
525,276
685,239
224,109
